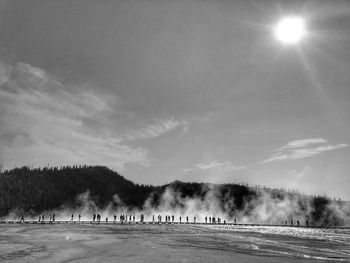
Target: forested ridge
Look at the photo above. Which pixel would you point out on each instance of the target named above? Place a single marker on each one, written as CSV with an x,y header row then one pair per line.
x,y
40,189
33,190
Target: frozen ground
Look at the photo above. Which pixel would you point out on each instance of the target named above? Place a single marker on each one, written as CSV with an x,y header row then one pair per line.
x,y
170,243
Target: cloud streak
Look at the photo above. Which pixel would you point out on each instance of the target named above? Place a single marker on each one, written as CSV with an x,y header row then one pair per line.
x,y
303,143
158,129
300,173
300,149
223,166
43,121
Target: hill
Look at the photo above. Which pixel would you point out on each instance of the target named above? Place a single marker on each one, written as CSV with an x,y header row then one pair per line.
x,y
33,191
37,190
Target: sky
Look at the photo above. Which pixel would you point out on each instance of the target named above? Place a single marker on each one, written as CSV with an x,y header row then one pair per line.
x,y
190,90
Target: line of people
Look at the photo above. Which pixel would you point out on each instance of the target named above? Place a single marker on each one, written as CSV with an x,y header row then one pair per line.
x,y
41,218
167,219
131,218
217,220
297,223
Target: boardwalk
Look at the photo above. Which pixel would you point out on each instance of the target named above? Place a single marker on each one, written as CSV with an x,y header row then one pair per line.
x,y
161,223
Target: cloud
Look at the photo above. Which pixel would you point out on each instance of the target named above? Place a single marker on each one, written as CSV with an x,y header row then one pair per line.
x,y
158,129
301,173
300,149
43,121
223,166
303,143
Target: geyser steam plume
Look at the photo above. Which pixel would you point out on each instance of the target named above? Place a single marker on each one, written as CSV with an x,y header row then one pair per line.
x,y
88,190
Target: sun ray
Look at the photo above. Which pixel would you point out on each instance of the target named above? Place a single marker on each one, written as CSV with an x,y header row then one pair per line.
x,y
325,99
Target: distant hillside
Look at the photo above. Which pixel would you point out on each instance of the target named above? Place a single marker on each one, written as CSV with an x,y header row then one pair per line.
x,y
36,190
33,191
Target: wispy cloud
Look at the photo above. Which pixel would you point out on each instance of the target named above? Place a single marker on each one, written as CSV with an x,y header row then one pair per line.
x,y
299,173
43,121
303,143
300,149
223,166
157,129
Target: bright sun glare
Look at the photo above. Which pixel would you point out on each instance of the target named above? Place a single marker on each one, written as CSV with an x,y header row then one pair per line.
x,y
290,30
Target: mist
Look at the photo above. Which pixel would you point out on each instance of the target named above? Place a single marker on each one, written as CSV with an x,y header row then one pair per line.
x,y
264,206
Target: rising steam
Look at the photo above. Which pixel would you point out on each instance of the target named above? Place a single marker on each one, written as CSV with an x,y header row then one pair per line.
x,y
265,207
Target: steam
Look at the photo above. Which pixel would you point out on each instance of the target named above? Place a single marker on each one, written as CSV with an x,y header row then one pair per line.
x,y
266,207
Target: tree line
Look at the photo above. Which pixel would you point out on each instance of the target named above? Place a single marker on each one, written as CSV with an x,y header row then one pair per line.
x,y
34,190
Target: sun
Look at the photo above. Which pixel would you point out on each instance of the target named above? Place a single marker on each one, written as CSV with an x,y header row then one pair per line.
x,y
290,30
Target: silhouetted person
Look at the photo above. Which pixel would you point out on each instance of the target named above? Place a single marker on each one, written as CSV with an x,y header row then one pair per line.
x,y
172,218
186,219
180,219
22,218
291,222
153,219
209,220
224,222
307,223
39,219
53,217
72,217
114,218
213,220
206,220
235,220
194,220
79,216
298,223
106,219
42,218
93,217
133,218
